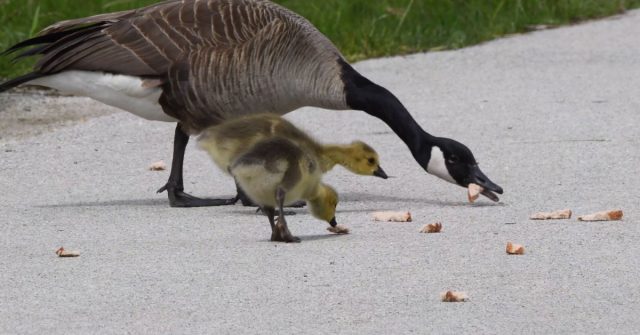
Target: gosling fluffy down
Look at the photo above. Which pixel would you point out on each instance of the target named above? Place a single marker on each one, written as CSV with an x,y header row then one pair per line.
x,y
276,172
227,141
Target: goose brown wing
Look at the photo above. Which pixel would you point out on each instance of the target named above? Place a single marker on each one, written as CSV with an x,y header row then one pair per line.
x,y
283,67
212,82
146,41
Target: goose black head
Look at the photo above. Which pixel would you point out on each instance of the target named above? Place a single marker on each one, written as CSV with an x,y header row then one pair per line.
x,y
454,162
443,157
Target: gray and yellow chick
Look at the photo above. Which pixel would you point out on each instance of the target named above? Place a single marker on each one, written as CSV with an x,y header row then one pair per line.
x,y
227,141
276,172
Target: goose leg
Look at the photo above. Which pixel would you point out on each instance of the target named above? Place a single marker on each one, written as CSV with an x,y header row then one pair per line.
x,y
283,234
175,185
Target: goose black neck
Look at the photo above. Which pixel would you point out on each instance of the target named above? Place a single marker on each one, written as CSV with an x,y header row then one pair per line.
x,y
375,100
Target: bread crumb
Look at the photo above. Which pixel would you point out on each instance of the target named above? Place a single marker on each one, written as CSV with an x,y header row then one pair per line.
x,y
555,215
473,192
431,228
158,166
453,296
611,215
515,249
392,216
339,229
65,253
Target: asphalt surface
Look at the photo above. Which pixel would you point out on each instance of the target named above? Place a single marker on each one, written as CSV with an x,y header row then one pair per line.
x,y
552,117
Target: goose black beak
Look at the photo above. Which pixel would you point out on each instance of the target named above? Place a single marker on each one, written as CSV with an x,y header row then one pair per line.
x,y
333,222
477,177
380,173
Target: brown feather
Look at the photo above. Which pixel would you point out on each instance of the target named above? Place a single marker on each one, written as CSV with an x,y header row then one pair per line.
x,y
218,58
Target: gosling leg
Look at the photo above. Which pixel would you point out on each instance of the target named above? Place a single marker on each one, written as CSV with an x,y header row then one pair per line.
x,y
270,212
284,235
175,184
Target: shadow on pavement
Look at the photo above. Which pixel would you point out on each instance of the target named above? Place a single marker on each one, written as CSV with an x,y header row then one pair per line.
x,y
138,202
367,197
344,197
316,237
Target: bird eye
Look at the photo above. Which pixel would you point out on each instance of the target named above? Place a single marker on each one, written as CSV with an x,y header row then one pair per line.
x,y
452,160
372,161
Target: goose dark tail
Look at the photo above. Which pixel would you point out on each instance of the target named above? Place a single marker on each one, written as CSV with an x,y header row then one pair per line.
x,y
19,80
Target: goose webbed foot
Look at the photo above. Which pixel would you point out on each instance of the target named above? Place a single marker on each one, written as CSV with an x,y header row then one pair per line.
x,y
175,184
178,198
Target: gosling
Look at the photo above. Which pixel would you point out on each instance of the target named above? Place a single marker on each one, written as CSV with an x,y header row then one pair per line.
x,y
276,172
226,142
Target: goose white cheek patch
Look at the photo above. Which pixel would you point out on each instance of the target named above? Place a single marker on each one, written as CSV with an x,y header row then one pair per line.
x,y
438,167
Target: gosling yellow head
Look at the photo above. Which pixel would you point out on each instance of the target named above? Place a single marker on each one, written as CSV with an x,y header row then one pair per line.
x,y
323,206
362,159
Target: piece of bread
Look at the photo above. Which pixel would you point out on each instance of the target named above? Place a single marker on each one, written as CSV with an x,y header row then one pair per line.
x,y
392,216
453,296
65,253
555,215
473,192
515,249
431,228
611,215
339,229
158,166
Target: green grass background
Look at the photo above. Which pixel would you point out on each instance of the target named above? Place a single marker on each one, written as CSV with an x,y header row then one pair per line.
x,y
360,28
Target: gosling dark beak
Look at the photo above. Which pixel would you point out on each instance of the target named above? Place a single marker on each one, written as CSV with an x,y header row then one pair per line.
x,y
477,177
380,173
333,222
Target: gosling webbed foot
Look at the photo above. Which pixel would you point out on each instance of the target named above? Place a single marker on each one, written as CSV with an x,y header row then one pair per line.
x,y
178,198
282,234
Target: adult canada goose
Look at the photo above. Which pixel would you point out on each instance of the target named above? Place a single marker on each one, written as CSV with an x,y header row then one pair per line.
x,y
230,139
199,62
276,172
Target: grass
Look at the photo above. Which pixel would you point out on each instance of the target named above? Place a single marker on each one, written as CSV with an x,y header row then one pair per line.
x,y
360,28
